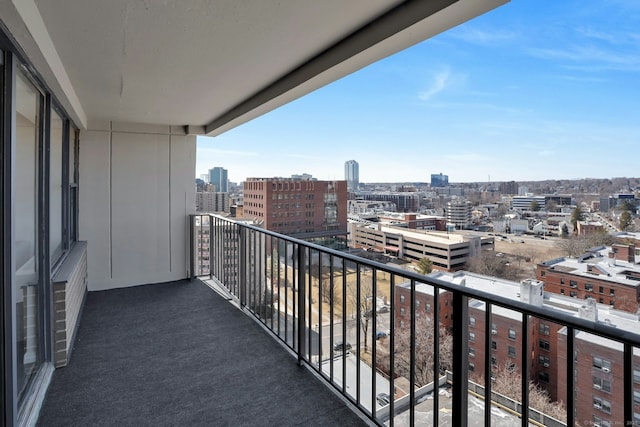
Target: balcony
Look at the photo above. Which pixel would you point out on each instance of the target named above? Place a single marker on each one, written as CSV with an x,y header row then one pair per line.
x,y
271,318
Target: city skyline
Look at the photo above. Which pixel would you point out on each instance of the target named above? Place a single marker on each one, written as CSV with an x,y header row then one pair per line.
x,y
521,93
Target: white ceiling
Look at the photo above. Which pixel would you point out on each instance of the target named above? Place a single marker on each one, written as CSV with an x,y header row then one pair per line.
x,y
188,62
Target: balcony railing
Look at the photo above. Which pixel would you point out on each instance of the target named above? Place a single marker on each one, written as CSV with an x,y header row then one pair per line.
x,y
378,335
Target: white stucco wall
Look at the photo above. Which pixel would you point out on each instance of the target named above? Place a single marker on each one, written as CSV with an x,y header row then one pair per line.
x,y
136,190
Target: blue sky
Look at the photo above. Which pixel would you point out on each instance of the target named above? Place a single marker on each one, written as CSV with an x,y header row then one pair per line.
x,y
536,89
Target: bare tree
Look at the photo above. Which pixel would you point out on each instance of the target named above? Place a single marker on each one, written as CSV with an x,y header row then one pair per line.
x,y
575,246
488,264
365,301
507,381
424,357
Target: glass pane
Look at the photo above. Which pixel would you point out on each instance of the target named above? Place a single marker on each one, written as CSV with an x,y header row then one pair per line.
x,y
28,333
55,189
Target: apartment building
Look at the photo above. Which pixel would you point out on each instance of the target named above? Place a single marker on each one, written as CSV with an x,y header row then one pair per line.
x,y
404,201
213,202
610,275
413,221
446,251
298,207
598,366
459,213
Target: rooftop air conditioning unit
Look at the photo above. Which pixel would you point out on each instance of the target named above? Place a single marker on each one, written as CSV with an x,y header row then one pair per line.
x,y
596,386
546,365
605,369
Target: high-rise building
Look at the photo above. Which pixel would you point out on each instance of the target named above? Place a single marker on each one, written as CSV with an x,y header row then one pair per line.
x,y
459,213
304,208
352,174
439,180
218,177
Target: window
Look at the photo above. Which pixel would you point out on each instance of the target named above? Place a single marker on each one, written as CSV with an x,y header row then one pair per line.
x,y
512,334
544,329
427,308
494,361
561,291
600,422
512,351
472,321
573,294
543,273
544,344
402,311
636,396
472,367
544,361
603,364
601,404
588,287
636,375
562,280
602,384
543,377
472,352
573,283
401,299
417,304
612,292
601,289
494,345
494,328
472,336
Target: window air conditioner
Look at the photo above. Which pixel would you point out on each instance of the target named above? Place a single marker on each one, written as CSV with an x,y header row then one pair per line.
x,y
597,406
546,365
596,386
493,332
604,369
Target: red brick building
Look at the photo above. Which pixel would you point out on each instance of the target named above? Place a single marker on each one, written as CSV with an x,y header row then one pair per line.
x,y
299,207
610,276
598,362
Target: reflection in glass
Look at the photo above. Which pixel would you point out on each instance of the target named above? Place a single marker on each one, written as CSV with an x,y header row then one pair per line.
x,y
55,189
26,287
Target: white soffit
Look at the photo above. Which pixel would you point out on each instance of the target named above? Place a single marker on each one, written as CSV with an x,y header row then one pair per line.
x,y
191,62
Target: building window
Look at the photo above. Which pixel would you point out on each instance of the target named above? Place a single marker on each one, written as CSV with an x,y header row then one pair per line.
x,y
603,364
472,321
417,304
494,345
401,311
494,361
612,292
544,361
601,289
494,329
401,299
543,273
562,280
602,384
512,334
472,336
427,308
472,352
544,344
636,375
472,367
561,291
544,329
543,377
601,404
588,287
600,422
512,351
573,283
573,294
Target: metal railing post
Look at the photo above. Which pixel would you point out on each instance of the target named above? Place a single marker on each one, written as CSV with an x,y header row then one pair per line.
x,y
242,250
459,404
192,244
301,304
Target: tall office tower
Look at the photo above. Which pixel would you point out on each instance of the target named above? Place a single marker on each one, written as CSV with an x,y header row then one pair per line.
x,y
439,180
352,175
218,177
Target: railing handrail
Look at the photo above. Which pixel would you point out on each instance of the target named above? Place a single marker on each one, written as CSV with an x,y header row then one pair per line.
x,y
601,329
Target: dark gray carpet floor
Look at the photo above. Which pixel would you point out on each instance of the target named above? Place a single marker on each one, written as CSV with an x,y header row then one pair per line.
x,y
179,354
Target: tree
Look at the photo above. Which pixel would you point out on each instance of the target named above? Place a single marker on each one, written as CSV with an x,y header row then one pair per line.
x,y
507,382
424,357
552,206
625,220
575,246
366,301
576,215
488,263
425,266
534,206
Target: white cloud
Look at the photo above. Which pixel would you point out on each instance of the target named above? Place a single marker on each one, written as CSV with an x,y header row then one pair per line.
x,y
439,84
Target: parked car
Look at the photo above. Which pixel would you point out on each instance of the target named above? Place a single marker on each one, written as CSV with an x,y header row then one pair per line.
x,y
383,309
340,346
381,334
383,399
